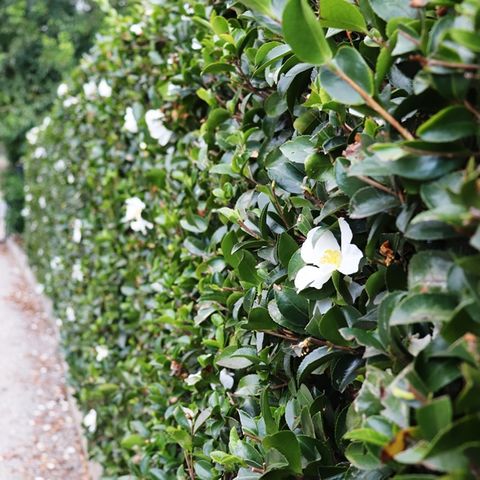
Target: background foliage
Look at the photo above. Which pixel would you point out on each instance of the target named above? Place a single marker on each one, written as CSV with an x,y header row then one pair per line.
x,y
217,367
40,42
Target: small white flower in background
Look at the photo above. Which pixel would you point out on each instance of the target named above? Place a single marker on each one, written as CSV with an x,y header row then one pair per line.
x,y
133,215
40,152
68,102
90,89
55,263
25,212
42,203
323,256
226,379
135,208
193,378
59,166
104,89
70,314
102,352
32,135
90,420
188,8
70,179
46,122
196,45
137,28
62,89
77,273
77,230
156,128
130,121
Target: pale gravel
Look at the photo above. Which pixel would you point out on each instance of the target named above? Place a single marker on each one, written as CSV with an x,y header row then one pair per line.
x,y
40,436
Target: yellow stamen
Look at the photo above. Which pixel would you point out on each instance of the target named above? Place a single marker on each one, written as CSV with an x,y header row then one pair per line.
x,y
331,257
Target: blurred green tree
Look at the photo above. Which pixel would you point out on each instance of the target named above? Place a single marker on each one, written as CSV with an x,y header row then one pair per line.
x,y
40,40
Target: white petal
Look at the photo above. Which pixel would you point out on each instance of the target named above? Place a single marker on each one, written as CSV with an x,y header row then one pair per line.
x,y
318,240
314,277
351,257
346,233
307,253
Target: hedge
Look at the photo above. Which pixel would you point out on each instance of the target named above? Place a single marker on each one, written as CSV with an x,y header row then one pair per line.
x,y
260,229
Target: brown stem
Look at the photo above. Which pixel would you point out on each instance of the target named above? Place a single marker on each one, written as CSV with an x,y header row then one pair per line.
x,y
378,185
374,105
248,230
441,63
277,206
472,109
315,341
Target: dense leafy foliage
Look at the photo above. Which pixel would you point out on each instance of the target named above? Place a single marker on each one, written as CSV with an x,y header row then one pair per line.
x,y
235,129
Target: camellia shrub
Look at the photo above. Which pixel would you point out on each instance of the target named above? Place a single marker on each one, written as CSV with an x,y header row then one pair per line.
x,y
259,223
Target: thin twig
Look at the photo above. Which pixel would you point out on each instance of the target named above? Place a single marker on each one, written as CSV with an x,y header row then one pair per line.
x,y
378,185
472,109
315,341
441,63
375,105
277,205
248,229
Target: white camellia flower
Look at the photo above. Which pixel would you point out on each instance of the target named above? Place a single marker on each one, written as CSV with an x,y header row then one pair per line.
x,y
62,89
90,420
40,152
104,89
137,28
55,263
102,352
77,230
77,273
130,121
32,135
90,89
156,128
59,166
68,102
133,215
323,256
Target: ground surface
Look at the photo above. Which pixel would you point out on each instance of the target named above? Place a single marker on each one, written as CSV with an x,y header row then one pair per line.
x,y
40,438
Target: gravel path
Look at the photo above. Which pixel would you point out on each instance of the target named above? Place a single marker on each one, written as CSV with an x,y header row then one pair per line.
x,y
40,437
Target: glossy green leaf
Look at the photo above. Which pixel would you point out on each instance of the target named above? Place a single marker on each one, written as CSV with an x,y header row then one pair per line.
x,y
451,123
304,33
424,307
369,201
343,15
351,63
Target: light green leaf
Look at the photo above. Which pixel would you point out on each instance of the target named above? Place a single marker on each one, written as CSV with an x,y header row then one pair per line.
x,y
342,15
351,63
387,9
303,32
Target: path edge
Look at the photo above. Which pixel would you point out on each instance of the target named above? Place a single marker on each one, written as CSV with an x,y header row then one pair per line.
x,y
92,469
